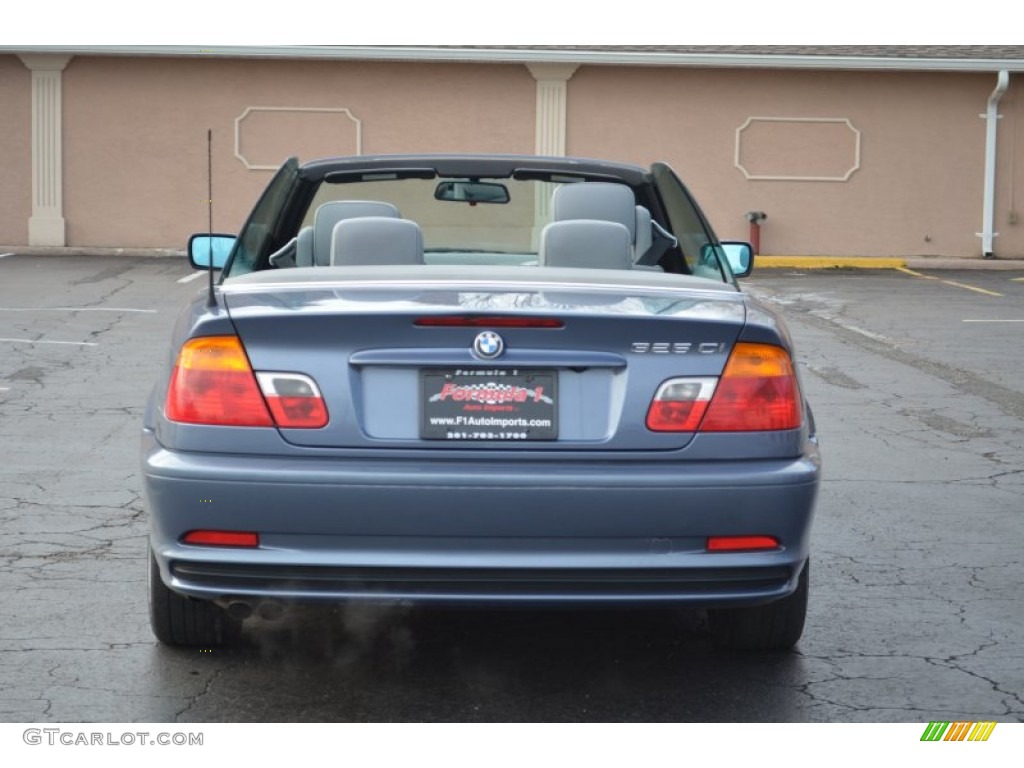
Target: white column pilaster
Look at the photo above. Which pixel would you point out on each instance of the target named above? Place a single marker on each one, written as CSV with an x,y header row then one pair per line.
x,y
46,225
552,84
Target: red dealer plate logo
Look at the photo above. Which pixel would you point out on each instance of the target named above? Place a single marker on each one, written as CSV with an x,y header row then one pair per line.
x,y
502,403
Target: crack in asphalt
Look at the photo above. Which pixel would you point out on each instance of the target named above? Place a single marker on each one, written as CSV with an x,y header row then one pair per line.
x,y
996,687
948,663
195,698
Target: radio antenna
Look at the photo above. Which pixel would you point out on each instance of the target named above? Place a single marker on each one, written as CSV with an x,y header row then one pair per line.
x,y
211,300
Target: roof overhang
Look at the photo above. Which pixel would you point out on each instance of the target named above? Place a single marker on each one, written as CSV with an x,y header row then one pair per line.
x,y
548,54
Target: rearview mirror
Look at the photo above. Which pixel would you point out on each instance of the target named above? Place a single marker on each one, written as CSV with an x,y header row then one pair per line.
x,y
202,249
471,192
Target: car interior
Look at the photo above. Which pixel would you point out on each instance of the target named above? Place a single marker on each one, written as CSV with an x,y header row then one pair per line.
x,y
594,225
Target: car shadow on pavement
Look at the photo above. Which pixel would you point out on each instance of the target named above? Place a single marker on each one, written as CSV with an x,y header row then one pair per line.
x,y
369,663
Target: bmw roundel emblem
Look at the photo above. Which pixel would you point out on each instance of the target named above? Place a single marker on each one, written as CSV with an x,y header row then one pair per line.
x,y
488,345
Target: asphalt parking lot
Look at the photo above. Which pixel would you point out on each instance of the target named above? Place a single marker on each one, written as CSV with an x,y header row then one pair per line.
x,y
915,599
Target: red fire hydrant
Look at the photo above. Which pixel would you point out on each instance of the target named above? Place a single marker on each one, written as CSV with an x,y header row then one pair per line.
x,y
755,218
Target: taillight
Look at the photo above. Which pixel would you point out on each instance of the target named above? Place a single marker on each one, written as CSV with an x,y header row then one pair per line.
x,y
213,383
679,404
295,401
757,392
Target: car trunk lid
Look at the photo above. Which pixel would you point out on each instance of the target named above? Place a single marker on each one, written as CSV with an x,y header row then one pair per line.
x,y
402,359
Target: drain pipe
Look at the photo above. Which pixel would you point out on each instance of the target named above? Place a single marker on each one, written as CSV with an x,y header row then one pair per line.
x,y
991,121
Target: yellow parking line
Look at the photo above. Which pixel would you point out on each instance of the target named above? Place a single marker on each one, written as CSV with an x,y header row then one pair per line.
x,y
974,288
954,283
915,274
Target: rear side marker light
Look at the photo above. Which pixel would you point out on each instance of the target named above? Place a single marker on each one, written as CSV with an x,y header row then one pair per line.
x,y
294,400
741,543
466,321
221,539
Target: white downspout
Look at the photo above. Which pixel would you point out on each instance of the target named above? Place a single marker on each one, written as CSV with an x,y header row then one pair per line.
x,y
991,121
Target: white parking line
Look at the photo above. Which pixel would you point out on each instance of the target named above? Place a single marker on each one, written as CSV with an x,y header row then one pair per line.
x,y
5,255
833,318
41,341
75,309
190,278
863,332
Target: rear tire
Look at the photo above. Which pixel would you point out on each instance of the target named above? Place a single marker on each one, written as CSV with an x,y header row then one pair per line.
x,y
773,627
180,620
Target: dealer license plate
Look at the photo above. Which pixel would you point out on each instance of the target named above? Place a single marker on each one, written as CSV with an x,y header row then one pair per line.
x,y
503,404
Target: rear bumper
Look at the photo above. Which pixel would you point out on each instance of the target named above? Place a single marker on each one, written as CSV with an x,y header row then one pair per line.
x,y
434,531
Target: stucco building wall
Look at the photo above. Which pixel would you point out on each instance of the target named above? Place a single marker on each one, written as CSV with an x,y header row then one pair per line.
x,y
916,190
15,150
135,132
898,155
